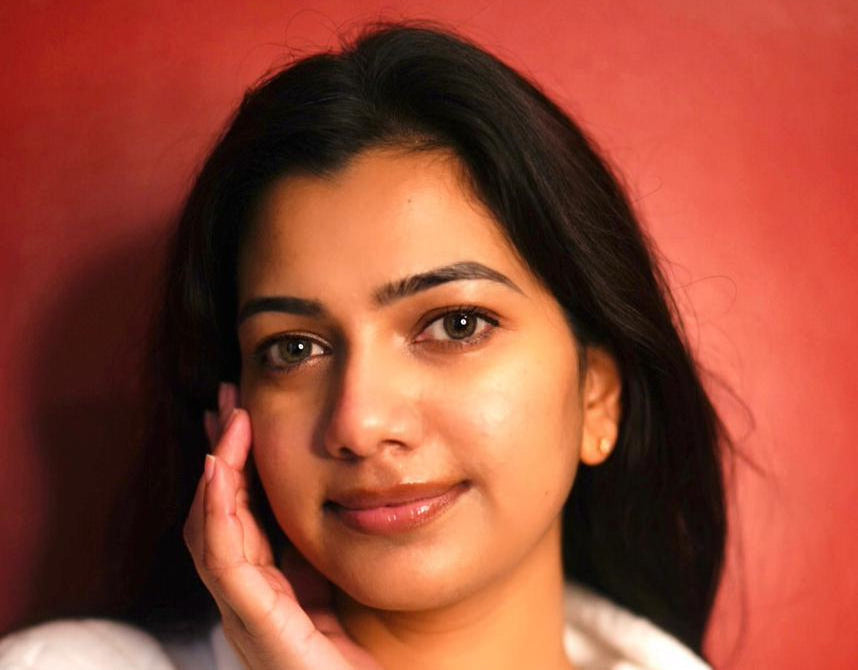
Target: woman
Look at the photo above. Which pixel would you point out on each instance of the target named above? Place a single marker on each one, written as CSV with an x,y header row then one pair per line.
x,y
422,303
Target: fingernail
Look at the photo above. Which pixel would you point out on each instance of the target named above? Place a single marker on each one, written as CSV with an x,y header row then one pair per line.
x,y
209,467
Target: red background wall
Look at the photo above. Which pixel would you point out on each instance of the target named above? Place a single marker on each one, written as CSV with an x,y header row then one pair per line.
x,y
734,125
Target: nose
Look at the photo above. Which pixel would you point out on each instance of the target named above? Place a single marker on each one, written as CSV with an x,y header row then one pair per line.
x,y
372,405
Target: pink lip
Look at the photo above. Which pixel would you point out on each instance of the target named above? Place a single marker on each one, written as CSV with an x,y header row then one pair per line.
x,y
394,510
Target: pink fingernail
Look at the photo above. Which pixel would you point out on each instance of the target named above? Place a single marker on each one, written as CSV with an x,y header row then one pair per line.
x,y
209,467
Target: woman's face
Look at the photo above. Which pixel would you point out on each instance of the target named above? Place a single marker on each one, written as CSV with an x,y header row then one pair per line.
x,y
413,389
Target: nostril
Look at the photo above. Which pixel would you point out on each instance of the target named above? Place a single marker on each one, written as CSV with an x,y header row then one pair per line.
x,y
358,453
346,454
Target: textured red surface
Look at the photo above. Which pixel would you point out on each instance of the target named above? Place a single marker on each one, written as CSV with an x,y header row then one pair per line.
x,y
734,126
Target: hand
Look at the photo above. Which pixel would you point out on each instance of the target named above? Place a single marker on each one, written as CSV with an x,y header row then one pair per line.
x,y
274,623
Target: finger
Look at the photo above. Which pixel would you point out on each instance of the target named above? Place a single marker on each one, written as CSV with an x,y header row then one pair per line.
x,y
193,528
223,536
256,602
233,448
227,400
211,424
234,444
235,583
220,542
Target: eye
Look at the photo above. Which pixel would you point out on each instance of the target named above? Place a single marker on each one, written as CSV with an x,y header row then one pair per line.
x,y
285,352
462,326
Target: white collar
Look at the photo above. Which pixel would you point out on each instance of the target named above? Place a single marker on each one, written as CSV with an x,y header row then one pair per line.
x,y
599,634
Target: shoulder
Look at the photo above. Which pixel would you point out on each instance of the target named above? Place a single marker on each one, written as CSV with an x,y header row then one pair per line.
x,y
601,634
82,644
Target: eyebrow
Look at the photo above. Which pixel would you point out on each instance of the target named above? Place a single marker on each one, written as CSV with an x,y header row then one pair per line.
x,y
385,294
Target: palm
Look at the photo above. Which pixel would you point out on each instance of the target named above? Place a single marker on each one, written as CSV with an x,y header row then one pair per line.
x,y
273,621
286,594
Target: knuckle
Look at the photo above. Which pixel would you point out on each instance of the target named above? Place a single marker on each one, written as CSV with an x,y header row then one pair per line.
x,y
213,565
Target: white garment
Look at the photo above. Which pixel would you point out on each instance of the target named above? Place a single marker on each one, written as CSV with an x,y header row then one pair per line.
x,y
599,636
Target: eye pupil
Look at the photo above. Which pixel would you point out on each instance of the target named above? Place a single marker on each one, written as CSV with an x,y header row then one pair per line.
x,y
460,325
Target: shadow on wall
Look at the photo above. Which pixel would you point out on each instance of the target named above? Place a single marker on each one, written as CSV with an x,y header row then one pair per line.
x,y
87,375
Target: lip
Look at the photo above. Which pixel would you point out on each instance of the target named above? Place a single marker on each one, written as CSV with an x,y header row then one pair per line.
x,y
396,509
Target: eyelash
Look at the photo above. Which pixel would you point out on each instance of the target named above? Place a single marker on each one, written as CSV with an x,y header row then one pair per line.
x,y
262,355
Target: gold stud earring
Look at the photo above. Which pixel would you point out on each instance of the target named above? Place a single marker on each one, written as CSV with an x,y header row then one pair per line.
x,y
605,446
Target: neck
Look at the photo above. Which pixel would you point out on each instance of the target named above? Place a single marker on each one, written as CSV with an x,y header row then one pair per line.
x,y
515,621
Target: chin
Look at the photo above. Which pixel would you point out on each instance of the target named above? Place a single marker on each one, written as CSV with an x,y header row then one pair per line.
x,y
405,595
409,580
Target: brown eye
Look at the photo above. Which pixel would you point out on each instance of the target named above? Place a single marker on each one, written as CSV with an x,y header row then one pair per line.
x,y
289,351
293,350
460,325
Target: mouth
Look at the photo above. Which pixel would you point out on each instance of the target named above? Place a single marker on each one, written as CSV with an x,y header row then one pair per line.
x,y
396,509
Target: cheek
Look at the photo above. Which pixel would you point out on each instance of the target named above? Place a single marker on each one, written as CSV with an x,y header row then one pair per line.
x,y
515,426
283,428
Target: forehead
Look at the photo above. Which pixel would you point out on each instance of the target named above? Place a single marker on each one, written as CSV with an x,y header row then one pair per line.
x,y
386,214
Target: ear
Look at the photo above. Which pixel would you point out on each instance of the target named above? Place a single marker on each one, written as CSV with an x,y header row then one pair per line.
x,y
601,406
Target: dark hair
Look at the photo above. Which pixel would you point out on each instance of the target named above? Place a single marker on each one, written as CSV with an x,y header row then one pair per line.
x,y
647,527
